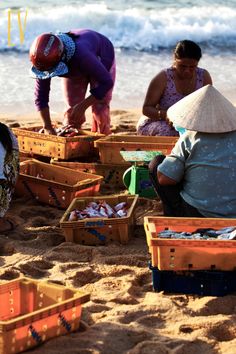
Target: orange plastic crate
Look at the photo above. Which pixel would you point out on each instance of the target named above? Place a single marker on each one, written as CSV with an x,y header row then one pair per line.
x,y
180,254
94,231
109,147
112,174
32,312
30,141
24,157
55,185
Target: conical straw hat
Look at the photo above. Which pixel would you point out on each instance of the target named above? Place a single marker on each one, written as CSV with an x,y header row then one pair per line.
x,y
205,110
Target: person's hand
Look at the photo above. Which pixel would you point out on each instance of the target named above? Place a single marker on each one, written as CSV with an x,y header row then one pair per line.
x,y
49,131
76,114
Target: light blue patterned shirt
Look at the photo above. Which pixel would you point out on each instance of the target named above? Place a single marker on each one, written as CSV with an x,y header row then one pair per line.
x,y
206,163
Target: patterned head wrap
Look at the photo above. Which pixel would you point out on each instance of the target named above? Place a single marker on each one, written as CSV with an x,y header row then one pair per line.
x,y
61,68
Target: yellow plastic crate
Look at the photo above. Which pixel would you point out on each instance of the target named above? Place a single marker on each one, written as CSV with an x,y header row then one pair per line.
x,y
182,254
94,231
30,141
55,185
112,174
110,146
32,312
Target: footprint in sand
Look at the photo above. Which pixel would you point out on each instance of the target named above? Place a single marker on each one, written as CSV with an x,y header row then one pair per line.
x,y
6,248
70,252
223,331
9,275
36,269
154,321
85,276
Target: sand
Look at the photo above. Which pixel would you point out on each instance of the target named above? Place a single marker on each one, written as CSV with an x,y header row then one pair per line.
x,y
124,315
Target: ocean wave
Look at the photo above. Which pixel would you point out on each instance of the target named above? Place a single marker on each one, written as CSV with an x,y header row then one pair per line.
x,y
134,28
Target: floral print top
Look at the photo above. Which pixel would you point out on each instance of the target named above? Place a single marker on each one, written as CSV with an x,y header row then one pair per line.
x,y
169,97
9,169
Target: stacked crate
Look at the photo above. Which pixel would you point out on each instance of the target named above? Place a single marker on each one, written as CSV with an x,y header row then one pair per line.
x,y
204,267
110,146
54,185
112,174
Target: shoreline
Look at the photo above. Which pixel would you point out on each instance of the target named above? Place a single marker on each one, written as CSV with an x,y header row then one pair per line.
x,y
120,118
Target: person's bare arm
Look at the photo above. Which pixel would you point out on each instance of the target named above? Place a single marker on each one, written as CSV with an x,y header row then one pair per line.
x,y
164,180
79,109
207,80
154,93
47,125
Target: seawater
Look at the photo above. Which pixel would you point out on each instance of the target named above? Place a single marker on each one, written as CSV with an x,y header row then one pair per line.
x,y
144,34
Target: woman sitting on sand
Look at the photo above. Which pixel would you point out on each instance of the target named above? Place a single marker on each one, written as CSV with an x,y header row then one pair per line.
x,y
171,85
9,168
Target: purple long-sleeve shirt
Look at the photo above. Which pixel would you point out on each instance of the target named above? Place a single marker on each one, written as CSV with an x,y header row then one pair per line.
x,y
93,57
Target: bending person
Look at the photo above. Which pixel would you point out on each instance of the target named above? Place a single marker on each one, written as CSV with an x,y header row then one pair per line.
x,y
171,85
197,179
80,57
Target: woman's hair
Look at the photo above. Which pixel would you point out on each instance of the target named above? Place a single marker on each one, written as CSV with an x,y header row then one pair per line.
x,y
5,138
187,49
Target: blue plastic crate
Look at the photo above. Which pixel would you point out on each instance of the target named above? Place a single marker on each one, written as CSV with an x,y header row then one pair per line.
x,y
198,282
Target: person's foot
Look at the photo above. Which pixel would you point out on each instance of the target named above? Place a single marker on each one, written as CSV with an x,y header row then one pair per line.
x,y
6,226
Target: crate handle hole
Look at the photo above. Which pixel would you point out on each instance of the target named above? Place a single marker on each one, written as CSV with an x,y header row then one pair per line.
x,y
213,266
172,250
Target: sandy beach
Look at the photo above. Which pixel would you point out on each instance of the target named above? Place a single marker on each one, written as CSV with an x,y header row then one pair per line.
x,y
124,315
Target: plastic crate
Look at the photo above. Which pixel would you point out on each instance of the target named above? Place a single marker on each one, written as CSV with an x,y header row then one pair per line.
x,y
181,254
112,174
94,231
31,312
198,282
109,147
30,141
54,185
24,157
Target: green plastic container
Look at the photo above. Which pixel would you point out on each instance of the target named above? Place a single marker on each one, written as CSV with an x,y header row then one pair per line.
x,y
137,181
